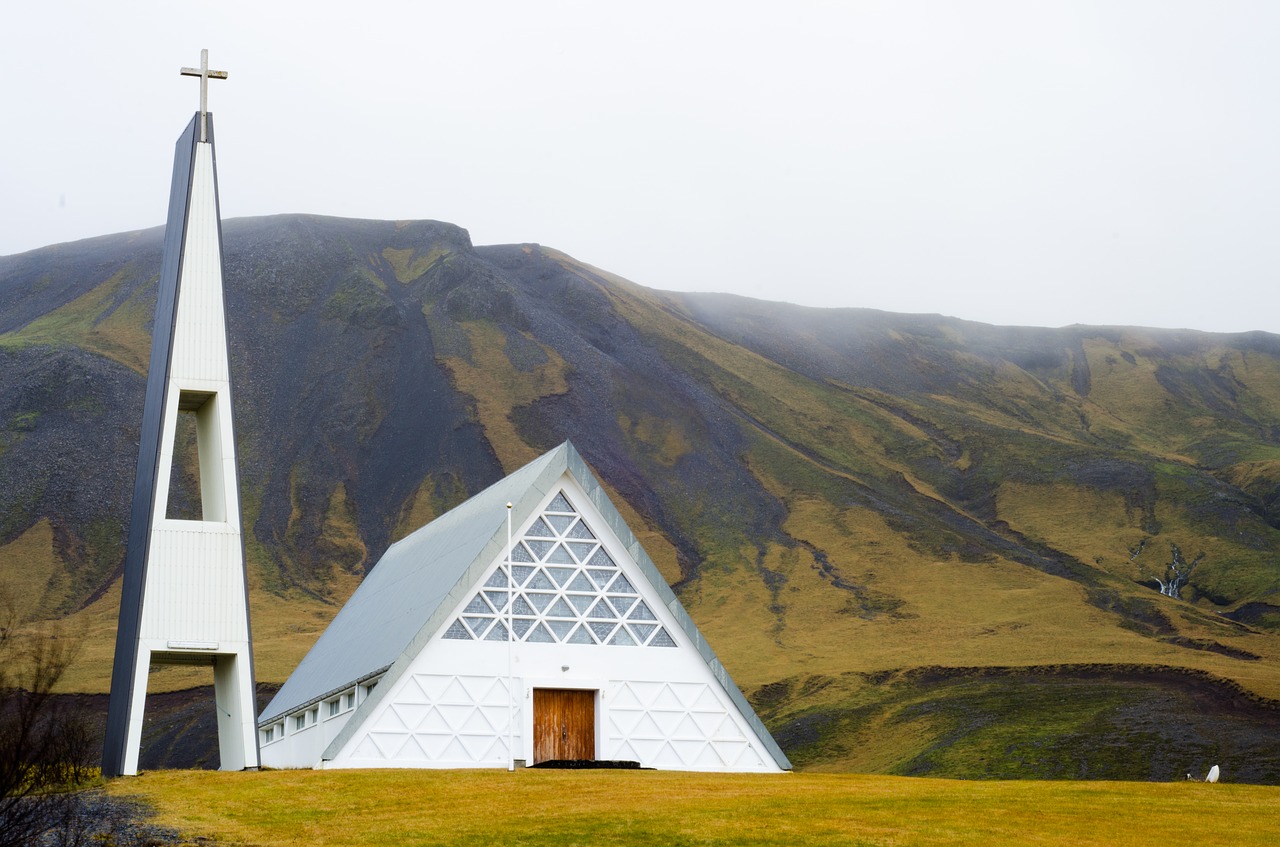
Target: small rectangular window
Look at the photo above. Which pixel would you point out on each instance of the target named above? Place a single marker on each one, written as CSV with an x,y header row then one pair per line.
x,y
334,707
299,721
268,734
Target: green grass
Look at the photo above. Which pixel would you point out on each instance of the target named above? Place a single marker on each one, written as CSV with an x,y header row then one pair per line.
x,y
567,808
1082,722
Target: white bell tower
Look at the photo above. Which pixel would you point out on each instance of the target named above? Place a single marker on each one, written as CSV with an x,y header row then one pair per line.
x,y
185,596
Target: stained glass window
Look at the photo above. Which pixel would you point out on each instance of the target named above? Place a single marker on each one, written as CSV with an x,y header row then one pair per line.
x,y
567,590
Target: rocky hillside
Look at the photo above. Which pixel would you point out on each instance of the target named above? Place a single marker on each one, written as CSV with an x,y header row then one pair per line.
x,y
900,532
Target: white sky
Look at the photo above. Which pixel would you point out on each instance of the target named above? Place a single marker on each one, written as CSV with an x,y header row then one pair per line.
x,y
1017,162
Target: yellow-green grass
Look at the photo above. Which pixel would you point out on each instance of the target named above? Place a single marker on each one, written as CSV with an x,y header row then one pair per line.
x,y
566,808
409,264
913,610
91,322
497,387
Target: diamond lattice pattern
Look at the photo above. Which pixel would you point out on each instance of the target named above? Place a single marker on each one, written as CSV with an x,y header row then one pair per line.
x,y
677,725
437,718
567,591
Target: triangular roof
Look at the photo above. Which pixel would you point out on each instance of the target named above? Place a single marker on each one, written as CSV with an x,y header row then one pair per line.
x,y
401,604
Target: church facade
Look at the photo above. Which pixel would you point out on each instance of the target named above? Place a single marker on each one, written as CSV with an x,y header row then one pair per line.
x,y
526,625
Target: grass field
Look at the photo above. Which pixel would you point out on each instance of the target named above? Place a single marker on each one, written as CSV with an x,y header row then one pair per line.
x,y
567,808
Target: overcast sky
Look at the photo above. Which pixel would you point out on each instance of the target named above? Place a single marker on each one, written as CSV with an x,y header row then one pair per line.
x,y
1040,163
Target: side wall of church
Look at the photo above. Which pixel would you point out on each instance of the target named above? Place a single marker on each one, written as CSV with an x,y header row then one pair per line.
x,y
298,739
663,709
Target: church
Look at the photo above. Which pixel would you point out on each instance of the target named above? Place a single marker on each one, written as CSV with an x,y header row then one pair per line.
x,y
527,625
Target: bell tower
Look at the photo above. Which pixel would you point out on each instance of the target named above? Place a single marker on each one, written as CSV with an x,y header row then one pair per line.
x,y
185,595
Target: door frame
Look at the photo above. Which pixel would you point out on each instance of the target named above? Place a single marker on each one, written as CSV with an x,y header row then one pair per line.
x,y
526,717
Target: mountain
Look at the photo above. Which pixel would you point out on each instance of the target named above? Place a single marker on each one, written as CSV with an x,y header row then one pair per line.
x,y
920,544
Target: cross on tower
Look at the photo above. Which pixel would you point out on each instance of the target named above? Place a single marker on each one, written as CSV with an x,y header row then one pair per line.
x,y
205,74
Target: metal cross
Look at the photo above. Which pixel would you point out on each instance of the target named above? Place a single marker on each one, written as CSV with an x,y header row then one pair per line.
x,y
205,75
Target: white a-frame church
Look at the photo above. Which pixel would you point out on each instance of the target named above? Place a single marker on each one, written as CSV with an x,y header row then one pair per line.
x,y
445,658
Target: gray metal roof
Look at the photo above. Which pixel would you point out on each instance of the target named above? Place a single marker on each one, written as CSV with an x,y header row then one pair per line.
x,y
408,596
411,580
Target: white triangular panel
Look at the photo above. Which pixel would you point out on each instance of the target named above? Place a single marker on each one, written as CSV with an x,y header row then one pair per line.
x,y
411,751
624,721
432,686
387,742
728,729
625,697
498,717
476,722
476,746
688,729
706,701
413,692
496,751
389,721
709,758
435,744
667,721
455,716
646,727
476,687
667,757
687,693
366,749
412,714
455,752
495,693
455,693
735,752
688,751
708,723
647,750
434,722
667,700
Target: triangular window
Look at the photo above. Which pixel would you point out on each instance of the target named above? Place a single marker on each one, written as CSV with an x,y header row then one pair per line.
x,y
581,602
560,556
559,522
457,631
581,583
561,609
581,635
567,590
539,633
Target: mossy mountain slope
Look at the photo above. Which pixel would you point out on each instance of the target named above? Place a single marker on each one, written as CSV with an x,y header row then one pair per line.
x,y
838,496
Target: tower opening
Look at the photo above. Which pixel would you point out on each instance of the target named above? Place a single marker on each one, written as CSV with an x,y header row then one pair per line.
x,y
197,490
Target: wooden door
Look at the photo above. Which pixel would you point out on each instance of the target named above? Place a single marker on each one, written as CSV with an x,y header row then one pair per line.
x,y
564,724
